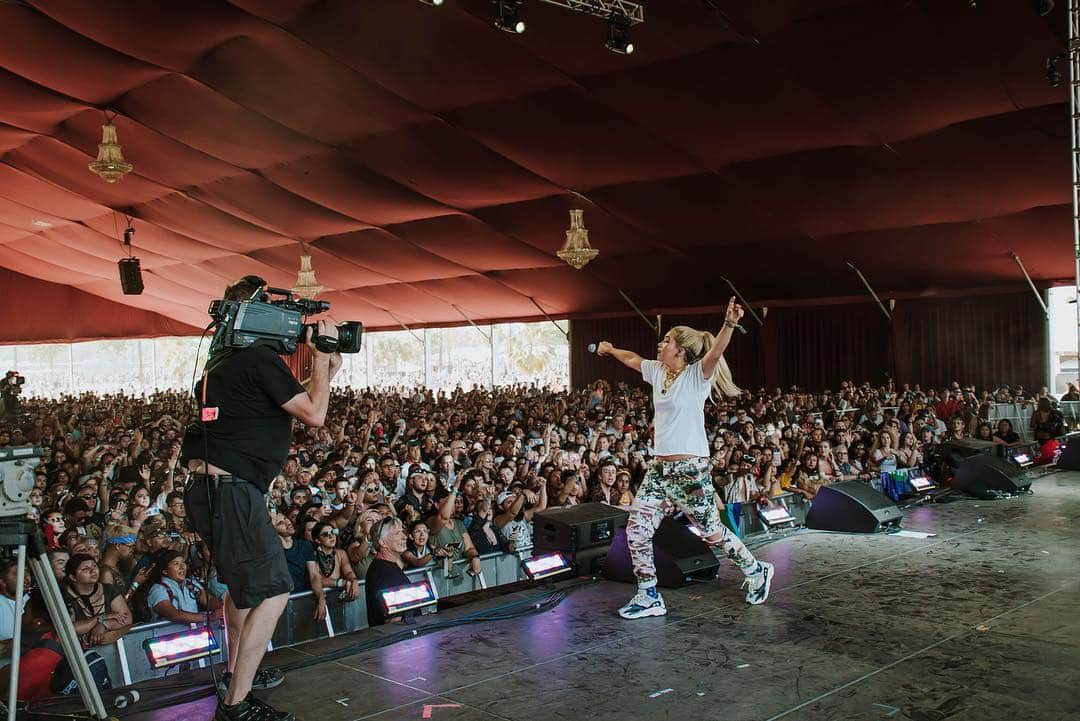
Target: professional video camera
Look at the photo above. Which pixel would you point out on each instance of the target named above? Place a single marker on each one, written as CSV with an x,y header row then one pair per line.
x,y
277,323
12,383
17,464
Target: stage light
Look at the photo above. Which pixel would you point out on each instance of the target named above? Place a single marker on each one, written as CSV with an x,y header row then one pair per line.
x,y
550,564
405,598
174,648
775,516
436,3
1053,75
618,34
507,18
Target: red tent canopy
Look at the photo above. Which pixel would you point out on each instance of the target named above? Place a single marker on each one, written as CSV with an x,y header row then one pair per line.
x,y
427,159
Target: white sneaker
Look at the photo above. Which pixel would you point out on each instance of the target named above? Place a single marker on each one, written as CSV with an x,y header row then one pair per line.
x,y
758,584
643,605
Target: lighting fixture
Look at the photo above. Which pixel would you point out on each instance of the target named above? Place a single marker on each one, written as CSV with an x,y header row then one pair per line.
x,y
436,3
306,286
1053,75
618,34
775,516
577,251
110,165
550,564
507,16
406,598
186,645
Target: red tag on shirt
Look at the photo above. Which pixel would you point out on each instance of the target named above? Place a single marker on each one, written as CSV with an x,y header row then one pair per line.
x,y
209,414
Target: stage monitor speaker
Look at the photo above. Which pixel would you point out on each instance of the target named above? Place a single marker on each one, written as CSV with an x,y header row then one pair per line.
x,y
679,554
577,527
986,476
130,276
1069,460
957,451
853,507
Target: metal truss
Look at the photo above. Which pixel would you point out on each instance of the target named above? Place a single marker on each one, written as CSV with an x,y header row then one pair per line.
x,y
633,12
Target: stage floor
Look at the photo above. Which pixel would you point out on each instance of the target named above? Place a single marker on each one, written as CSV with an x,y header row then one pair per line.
x,y
981,621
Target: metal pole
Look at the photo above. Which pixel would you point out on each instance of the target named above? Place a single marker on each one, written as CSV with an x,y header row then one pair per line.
x,y
1038,296
16,639
656,329
1074,109
870,288
474,325
402,324
742,300
539,308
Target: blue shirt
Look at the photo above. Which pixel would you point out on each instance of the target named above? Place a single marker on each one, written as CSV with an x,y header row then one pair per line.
x,y
183,597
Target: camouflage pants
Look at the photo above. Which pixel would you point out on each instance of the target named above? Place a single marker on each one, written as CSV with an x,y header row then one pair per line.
x,y
684,485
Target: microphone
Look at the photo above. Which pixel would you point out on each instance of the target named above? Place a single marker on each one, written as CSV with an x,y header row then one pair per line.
x,y
591,347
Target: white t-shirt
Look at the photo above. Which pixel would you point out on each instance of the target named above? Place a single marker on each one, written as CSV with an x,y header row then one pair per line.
x,y
680,413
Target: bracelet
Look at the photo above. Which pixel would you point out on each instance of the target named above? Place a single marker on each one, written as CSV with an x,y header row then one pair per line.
x,y
729,324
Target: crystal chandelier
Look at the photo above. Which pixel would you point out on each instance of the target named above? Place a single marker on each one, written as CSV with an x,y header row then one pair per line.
x,y
306,286
110,165
577,251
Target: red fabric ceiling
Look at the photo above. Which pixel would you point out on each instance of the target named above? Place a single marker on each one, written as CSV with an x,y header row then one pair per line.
x,y
429,160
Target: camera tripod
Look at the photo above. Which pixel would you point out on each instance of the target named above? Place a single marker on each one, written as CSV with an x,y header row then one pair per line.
x,y
24,536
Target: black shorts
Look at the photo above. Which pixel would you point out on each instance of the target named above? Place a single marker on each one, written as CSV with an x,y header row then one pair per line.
x,y
246,548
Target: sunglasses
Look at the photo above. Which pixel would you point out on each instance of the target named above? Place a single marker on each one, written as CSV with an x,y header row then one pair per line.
x,y
327,534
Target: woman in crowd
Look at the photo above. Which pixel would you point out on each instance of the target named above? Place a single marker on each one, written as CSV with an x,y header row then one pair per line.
x,y
173,596
908,455
334,568
1005,435
99,611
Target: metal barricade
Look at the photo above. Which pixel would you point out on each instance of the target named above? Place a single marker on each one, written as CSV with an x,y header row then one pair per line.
x,y
127,662
1019,414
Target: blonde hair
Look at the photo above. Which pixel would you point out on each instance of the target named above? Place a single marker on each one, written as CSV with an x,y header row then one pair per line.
x,y
696,343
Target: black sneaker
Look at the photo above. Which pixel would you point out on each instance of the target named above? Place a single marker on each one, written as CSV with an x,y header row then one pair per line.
x,y
264,678
251,709
270,677
269,712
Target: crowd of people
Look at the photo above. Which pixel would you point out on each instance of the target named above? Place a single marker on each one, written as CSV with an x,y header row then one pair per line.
x,y
459,474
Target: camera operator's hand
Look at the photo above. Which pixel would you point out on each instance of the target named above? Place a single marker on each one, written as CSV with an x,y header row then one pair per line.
x,y
326,327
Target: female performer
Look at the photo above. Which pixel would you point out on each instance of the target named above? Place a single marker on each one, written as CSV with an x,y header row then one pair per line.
x,y
688,369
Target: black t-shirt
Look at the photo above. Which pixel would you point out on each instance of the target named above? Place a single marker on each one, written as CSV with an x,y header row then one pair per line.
x,y
380,576
1010,437
297,558
251,436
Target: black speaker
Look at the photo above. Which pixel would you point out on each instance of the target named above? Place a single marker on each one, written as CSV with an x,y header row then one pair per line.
x,y
1069,460
679,554
852,506
130,276
957,451
985,476
577,527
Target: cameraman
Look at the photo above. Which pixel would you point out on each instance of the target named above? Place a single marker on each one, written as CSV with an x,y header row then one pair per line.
x,y
249,402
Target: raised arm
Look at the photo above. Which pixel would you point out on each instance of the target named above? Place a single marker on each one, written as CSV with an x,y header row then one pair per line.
x,y
731,318
628,358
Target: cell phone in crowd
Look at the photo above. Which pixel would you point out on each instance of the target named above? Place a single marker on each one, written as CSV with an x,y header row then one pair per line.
x,y
153,511
776,458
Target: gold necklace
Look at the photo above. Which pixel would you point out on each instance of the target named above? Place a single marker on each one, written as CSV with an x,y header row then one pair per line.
x,y
669,378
